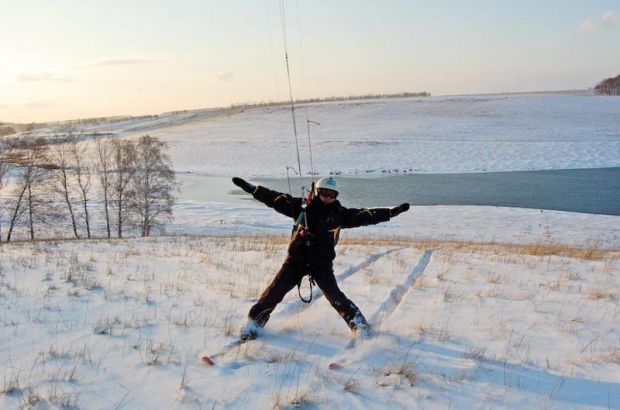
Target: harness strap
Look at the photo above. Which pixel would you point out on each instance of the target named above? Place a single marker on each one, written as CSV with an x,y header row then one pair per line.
x,y
302,220
311,283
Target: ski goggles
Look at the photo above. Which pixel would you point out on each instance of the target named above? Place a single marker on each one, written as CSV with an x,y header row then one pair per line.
x,y
328,193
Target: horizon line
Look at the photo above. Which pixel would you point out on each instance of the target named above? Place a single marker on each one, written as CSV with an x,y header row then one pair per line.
x,y
257,104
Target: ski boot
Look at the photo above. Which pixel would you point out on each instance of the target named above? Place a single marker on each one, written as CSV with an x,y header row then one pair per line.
x,y
360,327
249,331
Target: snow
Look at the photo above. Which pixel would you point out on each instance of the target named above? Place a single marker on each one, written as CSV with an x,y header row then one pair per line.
x,y
453,223
430,135
123,323
506,132
475,307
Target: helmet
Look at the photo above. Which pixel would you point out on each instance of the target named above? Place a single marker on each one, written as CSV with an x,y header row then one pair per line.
x,y
327,183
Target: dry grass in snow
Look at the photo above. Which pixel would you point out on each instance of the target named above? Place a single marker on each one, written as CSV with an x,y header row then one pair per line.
x,y
122,323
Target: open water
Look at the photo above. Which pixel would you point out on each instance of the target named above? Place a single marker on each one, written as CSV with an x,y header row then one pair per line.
x,y
595,191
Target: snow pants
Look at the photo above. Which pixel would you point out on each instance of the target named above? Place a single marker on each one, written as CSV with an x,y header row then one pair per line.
x,y
289,276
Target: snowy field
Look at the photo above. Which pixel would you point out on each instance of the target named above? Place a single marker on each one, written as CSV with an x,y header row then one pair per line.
x,y
477,307
122,324
509,132
436,134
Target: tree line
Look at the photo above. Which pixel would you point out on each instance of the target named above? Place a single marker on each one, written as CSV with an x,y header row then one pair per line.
x,y
128,184
330,99
610,86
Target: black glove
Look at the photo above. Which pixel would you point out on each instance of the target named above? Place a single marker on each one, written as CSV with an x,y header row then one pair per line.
x,y
243,184
399,209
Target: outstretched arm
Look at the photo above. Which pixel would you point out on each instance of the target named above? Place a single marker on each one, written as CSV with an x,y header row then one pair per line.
x,y
243,184
399,209
282,203
353,217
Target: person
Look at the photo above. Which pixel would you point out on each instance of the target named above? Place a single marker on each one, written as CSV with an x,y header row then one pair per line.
x,y
311,249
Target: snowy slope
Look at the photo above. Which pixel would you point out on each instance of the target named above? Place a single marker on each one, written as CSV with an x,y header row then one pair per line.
x,y
122,324
436,134
433,135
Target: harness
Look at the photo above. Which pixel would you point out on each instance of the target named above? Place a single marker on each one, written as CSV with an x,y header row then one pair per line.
x,y
305,234
311,283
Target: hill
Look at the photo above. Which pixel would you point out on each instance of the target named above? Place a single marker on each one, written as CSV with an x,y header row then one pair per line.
x,y
122,323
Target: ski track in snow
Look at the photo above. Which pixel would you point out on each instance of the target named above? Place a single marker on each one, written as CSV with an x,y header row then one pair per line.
x,y
340,357
313,347
299,305
396,295
393,300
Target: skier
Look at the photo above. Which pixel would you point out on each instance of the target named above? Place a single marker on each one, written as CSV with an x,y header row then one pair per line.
x,y
311,249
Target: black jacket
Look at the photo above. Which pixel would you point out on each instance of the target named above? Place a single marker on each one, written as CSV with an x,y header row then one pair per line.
x,y
315,243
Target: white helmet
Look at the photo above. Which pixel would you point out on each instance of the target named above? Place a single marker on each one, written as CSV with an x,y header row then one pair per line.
x,y
327,183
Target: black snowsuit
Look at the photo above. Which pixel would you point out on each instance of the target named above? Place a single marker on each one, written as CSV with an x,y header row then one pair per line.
x,y
311,250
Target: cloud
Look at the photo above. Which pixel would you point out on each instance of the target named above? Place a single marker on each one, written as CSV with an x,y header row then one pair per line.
x,y
225,76
609,18
586,25
24,78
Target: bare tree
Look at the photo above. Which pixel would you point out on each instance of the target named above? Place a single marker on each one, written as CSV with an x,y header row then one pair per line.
x,y
17,206
82,174
123,165
104,170
29,196
60,158
4,168
151,196
4,163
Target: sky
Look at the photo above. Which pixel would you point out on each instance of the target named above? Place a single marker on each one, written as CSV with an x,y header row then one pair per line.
x,y
67,59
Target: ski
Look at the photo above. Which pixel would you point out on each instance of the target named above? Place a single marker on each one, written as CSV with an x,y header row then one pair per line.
x,y
211,360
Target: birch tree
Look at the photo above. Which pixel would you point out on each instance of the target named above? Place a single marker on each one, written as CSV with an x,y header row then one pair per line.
x,y
151,196
4,163
82,172
104,170
4,168
62,180
123,166
29,197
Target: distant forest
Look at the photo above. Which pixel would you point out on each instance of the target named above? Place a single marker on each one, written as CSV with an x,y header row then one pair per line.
x,y
331,99
610,86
